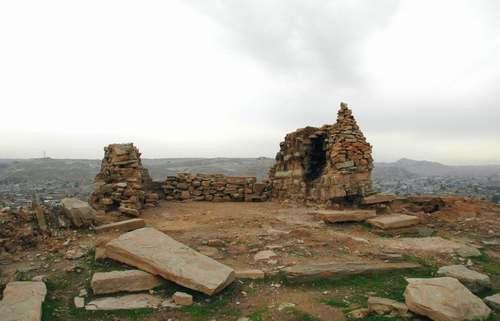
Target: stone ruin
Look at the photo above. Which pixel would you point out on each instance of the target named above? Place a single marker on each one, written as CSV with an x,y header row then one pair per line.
x,y
122,183
214,188
324,164
331,163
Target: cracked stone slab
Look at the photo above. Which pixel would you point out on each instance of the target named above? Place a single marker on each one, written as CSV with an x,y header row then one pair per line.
x,y
155,252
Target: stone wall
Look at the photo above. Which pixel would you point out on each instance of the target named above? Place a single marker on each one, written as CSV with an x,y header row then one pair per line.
x,y
214,188
322,164
122,183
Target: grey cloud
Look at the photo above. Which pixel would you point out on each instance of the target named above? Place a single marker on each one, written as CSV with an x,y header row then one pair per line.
x,y
306,38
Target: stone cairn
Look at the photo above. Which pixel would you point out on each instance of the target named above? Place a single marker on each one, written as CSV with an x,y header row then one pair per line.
x,y
123,184
214,188
323,164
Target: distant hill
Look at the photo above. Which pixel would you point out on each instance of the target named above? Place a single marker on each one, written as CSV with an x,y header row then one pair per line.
x,y
57,178
427,168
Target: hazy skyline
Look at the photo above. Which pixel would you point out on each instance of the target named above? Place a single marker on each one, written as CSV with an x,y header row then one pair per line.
x,y
231,78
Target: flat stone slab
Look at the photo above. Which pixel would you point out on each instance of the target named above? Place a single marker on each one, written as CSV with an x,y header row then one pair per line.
x,y
493,301
444,299
126,302
474,281
394,221
22,301
155,252
431,245
330,216
378,198
345,268
250,274
123,281
123,226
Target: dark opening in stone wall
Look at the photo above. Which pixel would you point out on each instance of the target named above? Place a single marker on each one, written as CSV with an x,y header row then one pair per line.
x,y
315,159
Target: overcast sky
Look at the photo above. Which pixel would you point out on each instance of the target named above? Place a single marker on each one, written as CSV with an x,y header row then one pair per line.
x,y
230,78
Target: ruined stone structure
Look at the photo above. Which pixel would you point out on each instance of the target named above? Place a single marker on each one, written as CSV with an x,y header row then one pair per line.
x,y
214,187
123,184
323,164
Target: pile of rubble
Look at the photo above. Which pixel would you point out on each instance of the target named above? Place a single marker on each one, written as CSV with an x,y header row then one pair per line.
x,y
216,188
323,164
122,183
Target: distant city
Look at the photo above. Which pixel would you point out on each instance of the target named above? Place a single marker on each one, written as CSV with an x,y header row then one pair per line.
x,y
53,179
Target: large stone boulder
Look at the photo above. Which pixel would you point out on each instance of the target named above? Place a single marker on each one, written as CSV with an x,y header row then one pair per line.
x,y
444,299
155,252
80,213
22,301
474,281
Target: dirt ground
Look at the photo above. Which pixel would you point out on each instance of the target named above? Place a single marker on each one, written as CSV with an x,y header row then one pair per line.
x,y
233,232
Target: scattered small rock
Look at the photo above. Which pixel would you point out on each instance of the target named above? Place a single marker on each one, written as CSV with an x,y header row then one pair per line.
x,y
286,305
79,302
493,301
359,313
383,306
182,298
264,255
74,254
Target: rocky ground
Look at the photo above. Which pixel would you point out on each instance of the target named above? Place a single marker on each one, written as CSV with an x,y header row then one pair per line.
x,y
459,231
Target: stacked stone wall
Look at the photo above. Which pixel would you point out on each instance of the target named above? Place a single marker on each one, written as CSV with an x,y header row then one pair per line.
x,y
321,164
122,183
214,188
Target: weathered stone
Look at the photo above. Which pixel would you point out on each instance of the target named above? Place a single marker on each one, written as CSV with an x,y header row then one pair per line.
x,y
214,188
344,268
493,301
79,302
182,298
323,164
394,221
123,226
100,253
126,302
129,211
123,281
250,274
474,281
123,184
444,299
155,252
264,255
331,216
79,212
378,198
431,245
384,306
22,301
359,313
